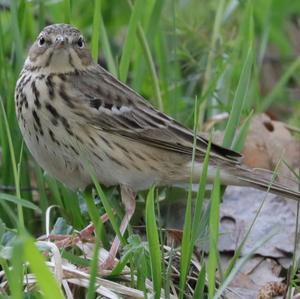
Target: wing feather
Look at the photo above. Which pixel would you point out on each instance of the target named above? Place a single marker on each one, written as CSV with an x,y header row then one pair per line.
x,y
117,109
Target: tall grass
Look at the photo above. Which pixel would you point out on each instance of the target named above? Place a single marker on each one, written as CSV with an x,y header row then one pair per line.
x,y
96,30
154,247
173,53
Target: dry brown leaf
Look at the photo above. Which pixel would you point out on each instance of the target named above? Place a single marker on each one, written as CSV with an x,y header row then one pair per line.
x,y
267,143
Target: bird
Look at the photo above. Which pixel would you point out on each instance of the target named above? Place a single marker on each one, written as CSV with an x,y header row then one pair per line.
x,y
73,113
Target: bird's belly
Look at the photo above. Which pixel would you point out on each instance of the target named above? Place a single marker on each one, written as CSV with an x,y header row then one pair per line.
x,y
68,148
49,140
128,162
110,174
56,160
73,159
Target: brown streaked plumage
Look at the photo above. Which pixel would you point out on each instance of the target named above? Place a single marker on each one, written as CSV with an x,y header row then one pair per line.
x,y
72,112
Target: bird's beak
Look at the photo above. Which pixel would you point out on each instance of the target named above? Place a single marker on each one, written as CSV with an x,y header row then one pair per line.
x,y
60,42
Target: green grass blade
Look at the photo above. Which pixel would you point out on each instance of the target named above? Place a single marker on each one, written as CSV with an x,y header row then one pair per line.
x,y
243,84
239,140
94,264
199,289
162,56
15,290
17,272
18,201
40,180
74,259
200,196
14,164
42,21
108,210
213,235
3,70
105,202
238,101
95,217
54,189
10,143
155,18
72,206
17,35
153,241
146,41
277,89
107,49
187,245
128,47
149,59
212,50
9,213
96,29
67,10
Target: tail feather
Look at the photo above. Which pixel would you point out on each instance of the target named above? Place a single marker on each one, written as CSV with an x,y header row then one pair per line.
x,y
270,176
242,176
258,179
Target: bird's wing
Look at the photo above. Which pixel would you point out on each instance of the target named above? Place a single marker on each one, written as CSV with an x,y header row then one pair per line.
x,y
117,109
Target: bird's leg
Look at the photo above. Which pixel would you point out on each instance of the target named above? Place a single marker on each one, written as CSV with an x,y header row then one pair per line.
x,y
128,200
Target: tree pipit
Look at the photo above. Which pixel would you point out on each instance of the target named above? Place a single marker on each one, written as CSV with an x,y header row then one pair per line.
x,y
73,113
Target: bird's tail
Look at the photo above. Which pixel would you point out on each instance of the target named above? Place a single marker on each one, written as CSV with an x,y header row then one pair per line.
x,y
266,181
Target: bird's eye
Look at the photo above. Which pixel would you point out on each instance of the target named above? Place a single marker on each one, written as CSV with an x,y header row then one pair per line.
x,y
80,42
41,41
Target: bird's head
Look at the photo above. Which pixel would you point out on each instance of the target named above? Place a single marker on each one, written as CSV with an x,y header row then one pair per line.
x,y
60,48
